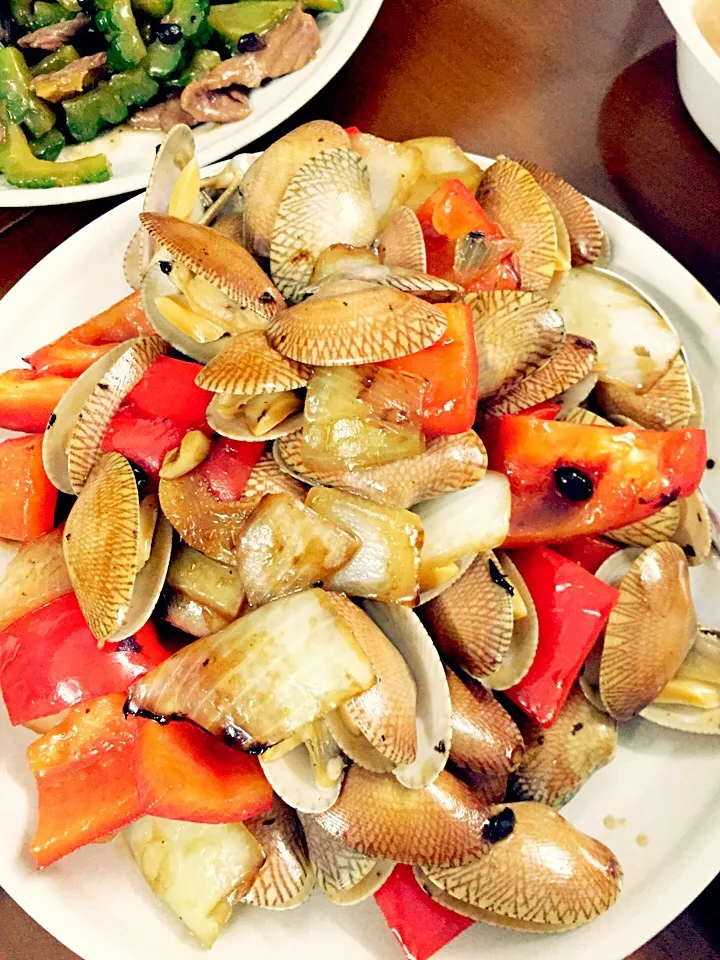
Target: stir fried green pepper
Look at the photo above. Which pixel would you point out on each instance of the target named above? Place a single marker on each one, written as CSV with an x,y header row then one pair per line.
x,y
134,87
191,16
107,105
22,11
22,169
163,59
22,105
116,20
152,8
72,5
46,14
202,62
55,61
49,146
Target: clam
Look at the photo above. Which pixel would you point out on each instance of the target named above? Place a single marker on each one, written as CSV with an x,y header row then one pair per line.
x,y
660,526
309,775
558,760
583,227
694,530
698,417
355,745
516,332
287,878
248,365
345,876
485,738
440,825
269,176
523,646
577,393
394,169
364,326
343,259
574,360
401,242
583,415
649,632
327,201
447,464
266,416
116,553
667,405
512,197
539,873
132,260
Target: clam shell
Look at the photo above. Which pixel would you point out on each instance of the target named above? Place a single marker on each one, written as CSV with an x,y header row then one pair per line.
x,y
267,477
667,405
660,526
385,714
573,361
694,531
462,564
287,878
578,392
85,445
64,418
293,780
618,565
269,176
327,201
343,259
471,621
433,712
523,646
684,718
237,427
558,760
132,261
698,417
511,196
545,875
379,817
345,876
516,332
581,415
100,544
247,365
218,259
365,326
447,464
485,738
649,632
583,227
401,242
355,745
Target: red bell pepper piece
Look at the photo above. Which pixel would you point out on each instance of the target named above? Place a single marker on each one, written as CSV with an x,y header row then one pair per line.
x,y
547,410
228,467
49,660
168,389
83,768
142,440
501,276
572,608
184,773
27,498
633,473
451,368
28,398
589,552
353,131
75,351
421,926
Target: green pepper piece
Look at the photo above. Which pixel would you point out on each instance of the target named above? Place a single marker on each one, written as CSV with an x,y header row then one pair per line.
x,y
93,111
46,14
163,59
190,16
331,6
73,5
202,62
22,169
23,106
134,87
235,20
49,146
116,20
21,11
55,61
152,8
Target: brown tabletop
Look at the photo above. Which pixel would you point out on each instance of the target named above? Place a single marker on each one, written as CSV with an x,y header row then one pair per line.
x,y
584,87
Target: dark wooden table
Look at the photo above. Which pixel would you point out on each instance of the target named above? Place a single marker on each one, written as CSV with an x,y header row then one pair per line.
x,y
584,87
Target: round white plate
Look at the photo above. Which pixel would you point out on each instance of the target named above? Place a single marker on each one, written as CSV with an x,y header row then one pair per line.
x,y
666,785
131,152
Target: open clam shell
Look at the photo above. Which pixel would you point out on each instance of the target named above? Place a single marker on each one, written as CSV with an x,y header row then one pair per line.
x,y
237,427
650,630
485,738
558,760
516,332
578,392
698,417
512,197
582,415
365,326
327,201
345,876
694,531
84,445
667,405
523,645
269,176
133,261
433,723
574,360
355,745
247,365
583,227
376,815
662,525
287,878
401,242
101,544
417,282
540,873
292,777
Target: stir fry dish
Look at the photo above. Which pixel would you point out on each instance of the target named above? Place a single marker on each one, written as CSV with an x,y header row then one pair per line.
x,y
349,537
72,69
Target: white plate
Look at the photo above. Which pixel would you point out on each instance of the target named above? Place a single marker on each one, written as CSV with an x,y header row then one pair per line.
x,y
666,785
131,152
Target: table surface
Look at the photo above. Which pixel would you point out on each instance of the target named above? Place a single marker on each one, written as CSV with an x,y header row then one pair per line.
x,y
583,87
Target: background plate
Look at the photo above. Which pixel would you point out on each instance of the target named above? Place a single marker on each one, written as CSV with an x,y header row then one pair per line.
x,y
131,152
665,784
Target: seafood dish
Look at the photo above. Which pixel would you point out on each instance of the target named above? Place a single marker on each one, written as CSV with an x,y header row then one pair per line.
x,y
349,538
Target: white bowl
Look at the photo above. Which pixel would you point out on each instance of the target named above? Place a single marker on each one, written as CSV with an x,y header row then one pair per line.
x,y
698,69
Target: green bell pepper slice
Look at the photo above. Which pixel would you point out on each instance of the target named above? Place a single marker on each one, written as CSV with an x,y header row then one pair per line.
x,y
191,16
116,20
163,59
134,87
201,63
21,103
49,146
55,61
21,11
94,111
46,14
22,169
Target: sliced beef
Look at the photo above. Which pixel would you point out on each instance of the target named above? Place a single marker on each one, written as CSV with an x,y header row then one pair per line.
x,y
70,80
56,35
162,116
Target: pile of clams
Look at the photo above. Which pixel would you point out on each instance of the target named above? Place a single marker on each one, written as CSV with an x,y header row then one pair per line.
x,y
367,557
